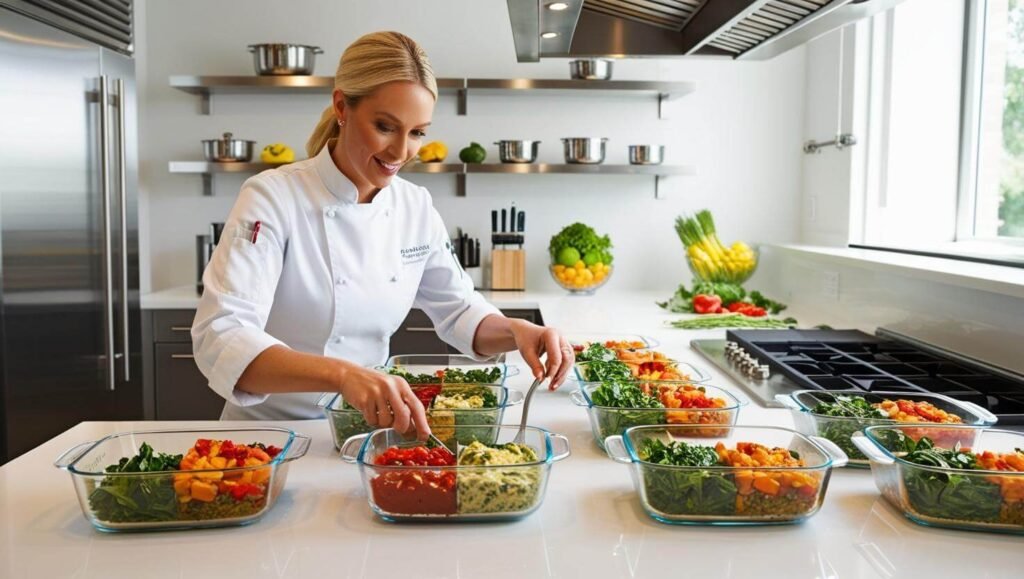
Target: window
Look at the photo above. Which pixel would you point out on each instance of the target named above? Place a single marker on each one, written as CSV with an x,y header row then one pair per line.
x,y
944,160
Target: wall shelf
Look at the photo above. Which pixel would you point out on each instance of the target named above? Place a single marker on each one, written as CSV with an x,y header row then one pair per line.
x,y
208,86
460,170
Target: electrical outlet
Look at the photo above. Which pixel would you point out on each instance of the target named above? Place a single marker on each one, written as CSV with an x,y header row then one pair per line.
x,y
830,285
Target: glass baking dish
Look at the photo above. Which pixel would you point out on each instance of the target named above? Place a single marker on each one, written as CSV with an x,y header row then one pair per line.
x,y
580,340
163,500
975,500
727,495
839,429
434,364
455,493
442,413
608,420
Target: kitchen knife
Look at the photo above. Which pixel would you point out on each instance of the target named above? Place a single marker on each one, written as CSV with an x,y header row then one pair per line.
x,y
522,222
476,254
512,219
503,216
494,220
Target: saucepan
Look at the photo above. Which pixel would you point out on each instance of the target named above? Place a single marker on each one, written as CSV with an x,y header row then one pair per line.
x,y
275,58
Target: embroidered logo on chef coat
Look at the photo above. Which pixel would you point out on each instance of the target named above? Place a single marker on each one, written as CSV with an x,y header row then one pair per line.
x,y
415,254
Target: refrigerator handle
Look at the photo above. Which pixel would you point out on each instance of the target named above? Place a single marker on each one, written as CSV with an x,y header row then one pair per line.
x,y
108,281
122,185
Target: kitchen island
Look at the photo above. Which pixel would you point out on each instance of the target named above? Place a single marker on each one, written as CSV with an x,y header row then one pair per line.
x,y
590,524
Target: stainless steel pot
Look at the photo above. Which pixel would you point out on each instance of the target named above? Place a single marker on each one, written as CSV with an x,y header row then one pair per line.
x,y
584,150
646,154
283,59
228,149
591,69
517,151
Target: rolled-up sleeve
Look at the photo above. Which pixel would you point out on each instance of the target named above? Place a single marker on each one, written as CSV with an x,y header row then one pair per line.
x,y
238,291
447,295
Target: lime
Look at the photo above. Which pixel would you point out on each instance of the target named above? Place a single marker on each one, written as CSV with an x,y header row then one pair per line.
x,y
591,258
568,256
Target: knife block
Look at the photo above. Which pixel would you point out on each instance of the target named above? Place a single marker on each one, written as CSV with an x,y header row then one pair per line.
x,y
508,269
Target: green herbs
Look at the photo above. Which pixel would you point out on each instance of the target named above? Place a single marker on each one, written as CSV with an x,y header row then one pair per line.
x,y
685,492
942,495
677,453
681,302
715,321
599,364
773,307
137,499
849,407
490,375
623,395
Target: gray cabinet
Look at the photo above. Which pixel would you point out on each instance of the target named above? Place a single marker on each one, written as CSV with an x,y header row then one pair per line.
x,y
176,390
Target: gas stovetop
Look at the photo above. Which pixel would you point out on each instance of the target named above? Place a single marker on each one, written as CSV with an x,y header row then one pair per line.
x,y
770,362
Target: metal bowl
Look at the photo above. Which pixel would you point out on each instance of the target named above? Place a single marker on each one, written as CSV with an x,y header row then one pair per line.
x,y
591,69
646,154
584,150
517,151
274,59
228,149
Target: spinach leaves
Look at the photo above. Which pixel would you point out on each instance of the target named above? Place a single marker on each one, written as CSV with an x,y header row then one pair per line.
x,y
849,407
599,364
136,499
685,492
491,375
620,405
677,453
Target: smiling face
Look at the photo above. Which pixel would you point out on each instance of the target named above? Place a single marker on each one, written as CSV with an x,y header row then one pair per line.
x,y
383,131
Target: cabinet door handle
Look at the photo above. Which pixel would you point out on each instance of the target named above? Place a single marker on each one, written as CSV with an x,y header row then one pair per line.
x,y
182,356
181,328
419,329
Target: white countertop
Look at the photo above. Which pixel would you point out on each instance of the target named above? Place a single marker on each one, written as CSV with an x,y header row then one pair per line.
x,y
590,524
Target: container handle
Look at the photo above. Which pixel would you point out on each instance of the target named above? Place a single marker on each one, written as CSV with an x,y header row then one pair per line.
x,y
72,454
616,449
787,401
325,399
839,458
870,449
982,412
352,443
317,50
515,398
298,447
578,399
561,444
742,399
511,370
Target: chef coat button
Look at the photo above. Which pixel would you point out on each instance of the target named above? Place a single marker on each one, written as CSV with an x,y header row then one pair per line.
x,y
394,278
387,213
331,213
338,339
340,281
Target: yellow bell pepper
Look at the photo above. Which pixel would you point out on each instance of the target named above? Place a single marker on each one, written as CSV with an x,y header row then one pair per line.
x,y
433,152
277,153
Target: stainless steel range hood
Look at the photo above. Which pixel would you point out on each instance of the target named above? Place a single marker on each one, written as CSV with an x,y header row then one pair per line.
x,y
740,29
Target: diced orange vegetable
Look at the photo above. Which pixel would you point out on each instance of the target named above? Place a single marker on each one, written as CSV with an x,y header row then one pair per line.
x,y
767,485
202,491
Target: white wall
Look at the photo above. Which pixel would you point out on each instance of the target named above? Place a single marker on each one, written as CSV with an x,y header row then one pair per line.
x,y
740,129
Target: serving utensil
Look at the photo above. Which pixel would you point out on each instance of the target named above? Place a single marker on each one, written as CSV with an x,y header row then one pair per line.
x,y
521,435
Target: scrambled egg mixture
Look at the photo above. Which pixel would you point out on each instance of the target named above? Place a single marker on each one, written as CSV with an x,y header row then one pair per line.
x,y
497,490
458,401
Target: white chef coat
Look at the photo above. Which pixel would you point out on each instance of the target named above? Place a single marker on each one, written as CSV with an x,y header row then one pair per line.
x,y
326,275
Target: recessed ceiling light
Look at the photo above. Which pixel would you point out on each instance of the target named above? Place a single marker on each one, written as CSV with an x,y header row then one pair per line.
x,y
556,6
549,35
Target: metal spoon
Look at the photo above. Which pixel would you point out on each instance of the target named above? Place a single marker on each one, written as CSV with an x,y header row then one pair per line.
x,y
521,435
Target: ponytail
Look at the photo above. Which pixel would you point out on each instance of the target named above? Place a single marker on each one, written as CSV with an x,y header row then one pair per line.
x,y
326,129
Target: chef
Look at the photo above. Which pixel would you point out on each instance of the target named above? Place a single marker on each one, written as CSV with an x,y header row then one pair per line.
x,y
321,260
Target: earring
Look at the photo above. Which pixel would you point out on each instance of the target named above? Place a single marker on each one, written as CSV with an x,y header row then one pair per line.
x,y
341,123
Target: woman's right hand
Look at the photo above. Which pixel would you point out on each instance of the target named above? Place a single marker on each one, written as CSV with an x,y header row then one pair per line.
x,y
386,401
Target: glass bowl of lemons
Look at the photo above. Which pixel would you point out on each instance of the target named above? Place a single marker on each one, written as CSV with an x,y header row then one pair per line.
x,y
581,278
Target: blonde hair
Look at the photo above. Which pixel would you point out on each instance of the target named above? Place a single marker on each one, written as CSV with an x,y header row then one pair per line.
x,y
372,60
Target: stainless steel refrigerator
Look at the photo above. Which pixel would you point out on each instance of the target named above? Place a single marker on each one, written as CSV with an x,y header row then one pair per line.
x,y
70,344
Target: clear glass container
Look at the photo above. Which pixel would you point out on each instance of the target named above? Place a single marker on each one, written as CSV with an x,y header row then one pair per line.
x,y
145,501
840,429
346,421
581,340
455,493
725,495
975,500
724,274
608,420
432,364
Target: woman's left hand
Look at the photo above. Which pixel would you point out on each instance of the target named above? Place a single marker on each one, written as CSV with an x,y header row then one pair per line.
x,y
534,341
